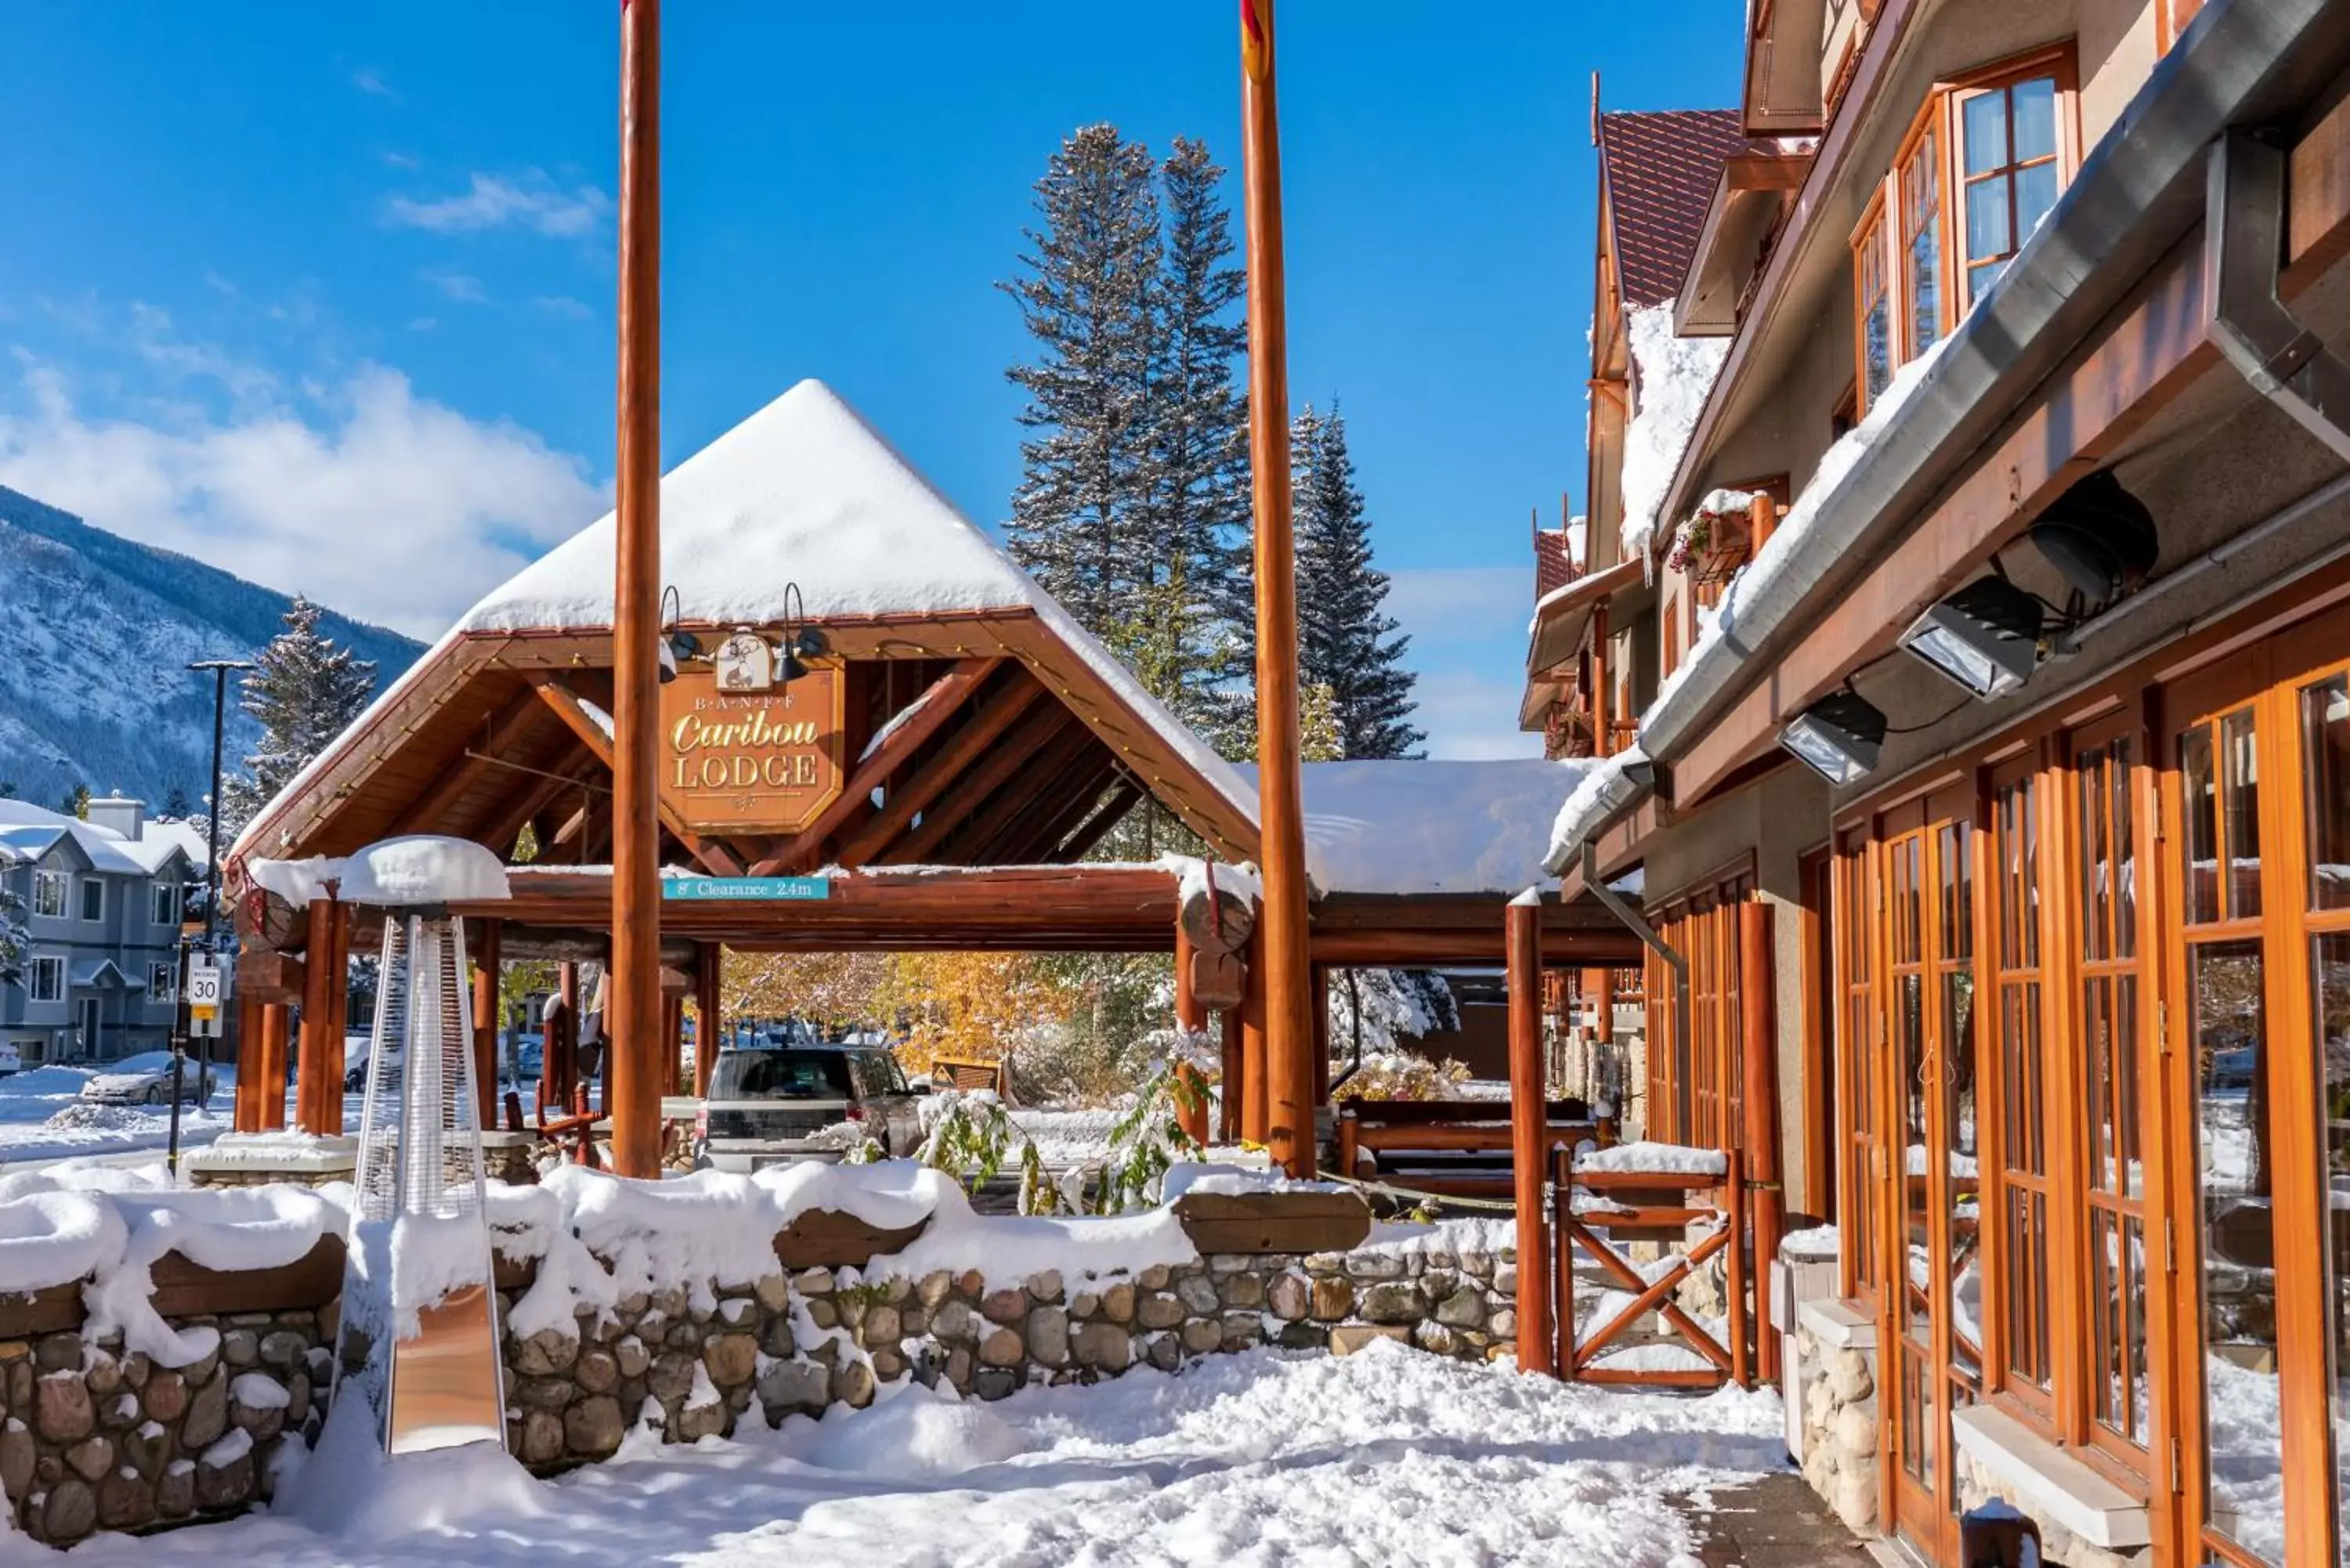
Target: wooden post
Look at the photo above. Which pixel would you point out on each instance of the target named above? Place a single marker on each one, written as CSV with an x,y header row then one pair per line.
x,y
273,1066
249,1081
1235,1077
1762,517
1562,1218
1255,1108
1757,998
559,1058
708,1001
338,1017
1738,1321
1320,991
1601,720
634,1020
1192,1019
673,1045
1279,970
1529,1119
318,1017
487,960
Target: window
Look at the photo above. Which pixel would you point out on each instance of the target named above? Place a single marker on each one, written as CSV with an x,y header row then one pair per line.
x,y
47,980
2325,785
1874,310
93,898
49,894
1985,159
2008,173
164,909
2022,1212
159,983
1921,244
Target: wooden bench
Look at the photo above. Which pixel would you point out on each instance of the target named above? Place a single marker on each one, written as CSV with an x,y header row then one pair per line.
x,y
1469,1140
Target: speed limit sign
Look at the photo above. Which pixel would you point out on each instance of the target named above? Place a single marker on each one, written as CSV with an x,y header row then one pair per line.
x,y
203,997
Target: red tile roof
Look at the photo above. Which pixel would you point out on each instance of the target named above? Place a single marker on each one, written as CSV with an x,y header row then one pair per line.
x,y
1553,562
1660,170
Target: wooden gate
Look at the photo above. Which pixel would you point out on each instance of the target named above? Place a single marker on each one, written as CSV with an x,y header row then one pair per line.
x,y
1599,1211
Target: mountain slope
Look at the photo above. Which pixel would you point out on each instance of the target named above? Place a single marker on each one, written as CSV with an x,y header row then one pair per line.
x,y
95,635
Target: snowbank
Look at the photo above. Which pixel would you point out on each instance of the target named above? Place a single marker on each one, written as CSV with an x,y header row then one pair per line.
x,y
1665,1159
1672,378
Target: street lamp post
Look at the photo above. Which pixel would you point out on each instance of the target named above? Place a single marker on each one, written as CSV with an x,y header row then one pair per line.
x,y
220,668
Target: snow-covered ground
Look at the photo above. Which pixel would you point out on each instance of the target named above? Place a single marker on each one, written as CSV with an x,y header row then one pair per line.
x,y
1391,1456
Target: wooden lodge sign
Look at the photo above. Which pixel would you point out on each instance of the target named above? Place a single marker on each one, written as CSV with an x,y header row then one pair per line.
x,y
757,762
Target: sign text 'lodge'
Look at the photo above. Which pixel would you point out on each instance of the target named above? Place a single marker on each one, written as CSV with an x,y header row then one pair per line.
x,y
764,762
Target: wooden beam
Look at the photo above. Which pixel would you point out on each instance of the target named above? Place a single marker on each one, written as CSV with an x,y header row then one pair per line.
x,y
1362,949
1016,801
1122,798
500,732
959,752
994,771
708,1002
486,969
310,1090
916,723
568,706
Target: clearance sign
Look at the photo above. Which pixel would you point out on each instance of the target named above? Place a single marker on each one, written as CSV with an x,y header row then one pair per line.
x,y
758,762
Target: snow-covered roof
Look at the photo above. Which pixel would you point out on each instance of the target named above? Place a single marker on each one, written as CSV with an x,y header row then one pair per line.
x,y
27,832
1418,826
803,491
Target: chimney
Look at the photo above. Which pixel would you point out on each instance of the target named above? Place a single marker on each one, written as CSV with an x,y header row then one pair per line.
x,y
119,814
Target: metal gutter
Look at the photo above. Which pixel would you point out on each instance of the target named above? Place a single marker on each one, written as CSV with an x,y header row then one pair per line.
x,y
2137,195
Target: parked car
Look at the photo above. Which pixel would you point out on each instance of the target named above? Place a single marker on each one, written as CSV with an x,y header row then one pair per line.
x,y
355,1061
11,1060
771,1103
146,1080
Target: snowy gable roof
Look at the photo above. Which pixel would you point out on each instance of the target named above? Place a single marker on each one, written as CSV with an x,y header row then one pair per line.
x,y
802,491
805,491
27,832
1416,826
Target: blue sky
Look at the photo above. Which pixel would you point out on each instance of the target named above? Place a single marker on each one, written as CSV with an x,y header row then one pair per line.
x,y
323,293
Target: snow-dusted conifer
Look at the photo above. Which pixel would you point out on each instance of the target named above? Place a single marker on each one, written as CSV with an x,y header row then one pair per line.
x,y
13,937
304,690
1346,639
1078,521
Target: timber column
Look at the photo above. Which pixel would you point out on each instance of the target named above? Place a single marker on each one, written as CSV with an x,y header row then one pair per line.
x,y
1279,965
1529,1127
311,1090
634,1023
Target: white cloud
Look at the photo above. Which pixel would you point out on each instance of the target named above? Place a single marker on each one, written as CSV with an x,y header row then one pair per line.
x,y
459,287
562,305
1468,627
379,503
367,79
527,201
402,160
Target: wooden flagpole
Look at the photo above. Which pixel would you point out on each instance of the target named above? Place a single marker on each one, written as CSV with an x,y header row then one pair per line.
x,y
1282,927
634,1023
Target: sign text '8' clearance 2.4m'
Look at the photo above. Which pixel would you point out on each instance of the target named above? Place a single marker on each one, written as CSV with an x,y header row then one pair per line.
x,y
763,760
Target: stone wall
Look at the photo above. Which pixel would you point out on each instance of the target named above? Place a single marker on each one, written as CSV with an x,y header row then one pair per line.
x,y
94,1438
1838,1387
796,1344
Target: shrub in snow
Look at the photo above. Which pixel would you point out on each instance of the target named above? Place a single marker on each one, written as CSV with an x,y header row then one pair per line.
x,y
968,1135
1147,1138
1402,1075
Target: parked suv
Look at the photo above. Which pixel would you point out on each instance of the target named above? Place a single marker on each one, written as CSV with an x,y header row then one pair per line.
x,y
768,1104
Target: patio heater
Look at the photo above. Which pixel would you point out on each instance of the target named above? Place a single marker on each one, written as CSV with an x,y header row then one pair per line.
x,y
420,1304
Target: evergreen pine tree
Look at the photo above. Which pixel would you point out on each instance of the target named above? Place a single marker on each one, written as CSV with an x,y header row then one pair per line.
x,y
175,804
14,939
304,690
75,801
1198,501
1345,640
1077,519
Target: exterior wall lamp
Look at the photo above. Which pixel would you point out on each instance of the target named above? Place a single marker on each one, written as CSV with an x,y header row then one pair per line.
x,y
800,641
1986,638
676,647
1838,737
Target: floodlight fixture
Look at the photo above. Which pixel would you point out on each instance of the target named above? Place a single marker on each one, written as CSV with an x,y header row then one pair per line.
x,y
1838,737
1985,637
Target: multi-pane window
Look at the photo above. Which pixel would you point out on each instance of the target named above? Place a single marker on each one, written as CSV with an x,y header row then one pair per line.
x,y
163,908
160,986
49,894
2023,1214
1981,167
2115,1171
2325,788
1874,283
44,979
2008,171
1921,244
1859,1043
2235,1176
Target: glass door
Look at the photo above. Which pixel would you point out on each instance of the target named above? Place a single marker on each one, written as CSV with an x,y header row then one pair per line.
x,y
1937,1364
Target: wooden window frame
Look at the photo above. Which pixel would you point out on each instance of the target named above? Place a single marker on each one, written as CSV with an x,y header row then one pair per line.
x,y
1822,1076
2173,18
1884,231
